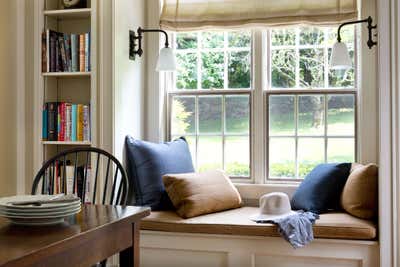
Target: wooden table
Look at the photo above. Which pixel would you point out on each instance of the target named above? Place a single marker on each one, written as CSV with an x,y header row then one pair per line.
x,y
91,236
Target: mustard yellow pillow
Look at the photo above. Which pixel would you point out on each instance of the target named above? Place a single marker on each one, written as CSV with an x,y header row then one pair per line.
x,y
360,193
195,194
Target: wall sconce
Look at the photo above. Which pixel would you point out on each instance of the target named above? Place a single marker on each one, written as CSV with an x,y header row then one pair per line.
x,y
166,58
340,58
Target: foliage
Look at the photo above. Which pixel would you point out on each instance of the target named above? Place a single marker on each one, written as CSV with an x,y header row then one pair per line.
x,y
179,120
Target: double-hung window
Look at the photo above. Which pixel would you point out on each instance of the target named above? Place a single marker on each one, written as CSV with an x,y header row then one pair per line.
x,y
309,110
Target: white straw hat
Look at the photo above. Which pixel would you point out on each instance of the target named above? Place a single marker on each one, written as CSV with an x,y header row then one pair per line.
x,y
273,206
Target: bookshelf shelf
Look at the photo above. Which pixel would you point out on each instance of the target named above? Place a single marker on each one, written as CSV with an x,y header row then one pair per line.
x,y
75,143
69,13
65,74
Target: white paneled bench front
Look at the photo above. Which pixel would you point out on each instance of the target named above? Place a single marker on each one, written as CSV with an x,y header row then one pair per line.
x,y
230,238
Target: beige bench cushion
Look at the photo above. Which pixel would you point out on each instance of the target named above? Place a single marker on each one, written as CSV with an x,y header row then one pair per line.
x,y
236,222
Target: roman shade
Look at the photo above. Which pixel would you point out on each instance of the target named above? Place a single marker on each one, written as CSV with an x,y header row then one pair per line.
x,y
185,15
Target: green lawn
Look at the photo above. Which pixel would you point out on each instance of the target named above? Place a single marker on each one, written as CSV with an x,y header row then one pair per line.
x,y
282,151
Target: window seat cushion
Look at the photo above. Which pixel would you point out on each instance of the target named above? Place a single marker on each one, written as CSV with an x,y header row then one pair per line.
x,y
338,225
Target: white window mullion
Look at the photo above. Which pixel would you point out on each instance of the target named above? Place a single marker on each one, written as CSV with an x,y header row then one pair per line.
x,y
257,136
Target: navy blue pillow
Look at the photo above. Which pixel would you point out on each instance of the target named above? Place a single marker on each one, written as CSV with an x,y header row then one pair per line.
x,y
322,187
146,164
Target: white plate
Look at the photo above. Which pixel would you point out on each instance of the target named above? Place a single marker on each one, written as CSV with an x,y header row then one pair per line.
x,y
6,202
27,210
39,214
38,222
42,217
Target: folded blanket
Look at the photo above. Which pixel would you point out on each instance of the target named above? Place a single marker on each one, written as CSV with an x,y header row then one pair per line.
x,y
296,228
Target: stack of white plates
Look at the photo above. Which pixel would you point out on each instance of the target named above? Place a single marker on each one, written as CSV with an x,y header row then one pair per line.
x,y
39,209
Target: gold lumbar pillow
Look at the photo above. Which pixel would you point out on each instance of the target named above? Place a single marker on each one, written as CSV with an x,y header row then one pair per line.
x,y
360,193
194,194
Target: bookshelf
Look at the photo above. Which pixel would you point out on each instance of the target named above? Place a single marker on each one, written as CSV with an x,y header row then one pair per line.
x,y
78,87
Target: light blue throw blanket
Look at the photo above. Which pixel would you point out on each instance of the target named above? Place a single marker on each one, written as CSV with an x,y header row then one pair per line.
x,y
296,228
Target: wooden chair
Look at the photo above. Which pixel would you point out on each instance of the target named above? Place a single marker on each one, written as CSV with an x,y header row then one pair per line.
x,y
84,156
115,180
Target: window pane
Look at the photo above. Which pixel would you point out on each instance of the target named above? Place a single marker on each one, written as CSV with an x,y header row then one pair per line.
x,y
311,115
237,114
311,67
186,40
311,36
341,150
283,37
183,115
212,70
282,156
212,39
283,69
209,153
281,115
210,114
186,77
237,156
239,39
341,115
310,154
239,69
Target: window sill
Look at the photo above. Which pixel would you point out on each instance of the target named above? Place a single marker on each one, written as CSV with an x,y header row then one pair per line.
x,y
251,193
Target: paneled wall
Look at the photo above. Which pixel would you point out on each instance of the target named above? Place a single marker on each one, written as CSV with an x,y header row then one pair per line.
x,y
8,98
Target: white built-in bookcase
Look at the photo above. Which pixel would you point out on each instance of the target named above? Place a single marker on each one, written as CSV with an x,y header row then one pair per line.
x,y
74,87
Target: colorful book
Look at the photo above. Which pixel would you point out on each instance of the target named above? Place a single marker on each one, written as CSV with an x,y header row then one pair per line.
x,y
86,51
74,121
44,53
52,121
80,123
74,52
86,123
82,52
68,121
44,122
67,45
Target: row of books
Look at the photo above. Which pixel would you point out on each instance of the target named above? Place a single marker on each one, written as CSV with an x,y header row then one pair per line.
x,y
56,181
64,52
65,122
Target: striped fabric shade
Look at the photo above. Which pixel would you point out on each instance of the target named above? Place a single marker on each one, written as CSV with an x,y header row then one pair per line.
x,y
186,15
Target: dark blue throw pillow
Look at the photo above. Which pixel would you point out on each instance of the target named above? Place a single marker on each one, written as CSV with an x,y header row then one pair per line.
x,y
147,162
322,187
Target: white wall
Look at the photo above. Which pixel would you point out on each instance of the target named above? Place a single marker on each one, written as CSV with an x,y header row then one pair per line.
x,y
129,76
8,97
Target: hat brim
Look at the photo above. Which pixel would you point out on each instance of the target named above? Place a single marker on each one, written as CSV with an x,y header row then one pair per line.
x,y
267,217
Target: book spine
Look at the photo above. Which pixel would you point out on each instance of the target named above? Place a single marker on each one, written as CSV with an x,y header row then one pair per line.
x,y
74,53
67,45
74,122
44,52
58,55
52,121
80,123
44,122
59,122
86,51
89,52
68,121
69,175
53,50
87,185
82,52
47,50
63,52
86,123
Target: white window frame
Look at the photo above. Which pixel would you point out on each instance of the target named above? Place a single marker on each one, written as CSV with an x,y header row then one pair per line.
x,y
259,92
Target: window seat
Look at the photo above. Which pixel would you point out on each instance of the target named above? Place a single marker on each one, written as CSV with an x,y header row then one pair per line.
x,y
336,225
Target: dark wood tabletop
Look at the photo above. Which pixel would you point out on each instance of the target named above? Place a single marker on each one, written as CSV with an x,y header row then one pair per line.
x,y
97,232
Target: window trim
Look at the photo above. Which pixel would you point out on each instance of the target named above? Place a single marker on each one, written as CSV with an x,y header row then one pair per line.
x,y
259,91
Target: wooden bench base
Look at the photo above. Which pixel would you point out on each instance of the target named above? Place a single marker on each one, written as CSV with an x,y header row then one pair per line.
x,y
171,249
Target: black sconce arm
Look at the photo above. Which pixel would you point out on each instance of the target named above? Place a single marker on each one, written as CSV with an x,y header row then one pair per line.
x,y
368,20
136,40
